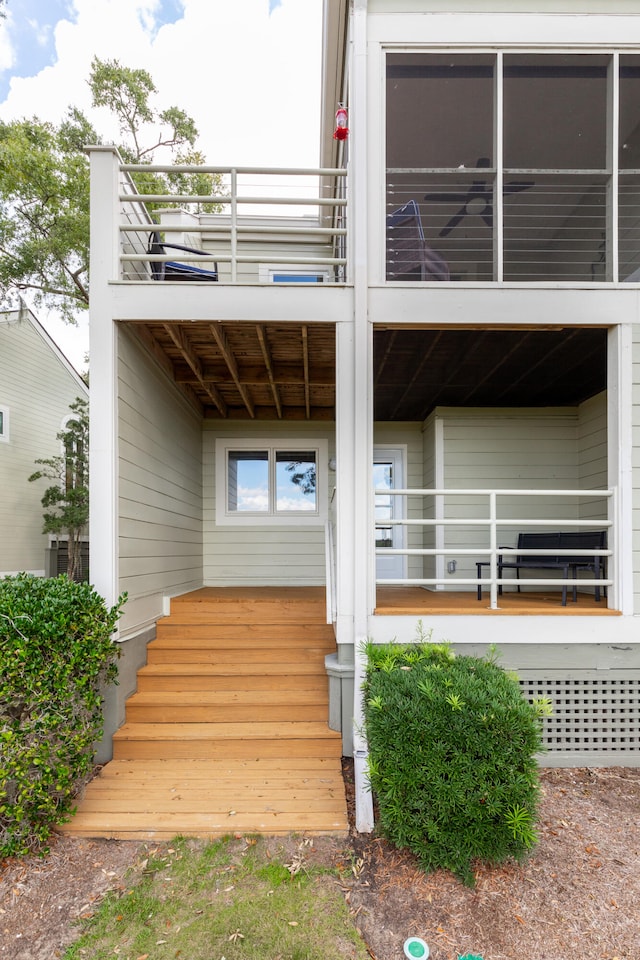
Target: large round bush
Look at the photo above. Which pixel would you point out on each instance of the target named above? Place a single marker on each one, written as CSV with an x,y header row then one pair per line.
x,y
452,745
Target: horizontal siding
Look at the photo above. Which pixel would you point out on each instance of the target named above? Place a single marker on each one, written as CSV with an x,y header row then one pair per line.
x,y
592,455
510,449
254,554
636,467
160,485
37,388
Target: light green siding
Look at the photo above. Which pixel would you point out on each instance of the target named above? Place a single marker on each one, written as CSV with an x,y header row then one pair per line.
x,y
262,554
519,449
36,388
160,485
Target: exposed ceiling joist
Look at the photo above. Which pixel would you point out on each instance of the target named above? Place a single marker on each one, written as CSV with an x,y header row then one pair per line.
x,y
264,346
223,346
176,333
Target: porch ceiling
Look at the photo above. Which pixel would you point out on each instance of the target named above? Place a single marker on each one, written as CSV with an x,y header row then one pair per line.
x,y
287,371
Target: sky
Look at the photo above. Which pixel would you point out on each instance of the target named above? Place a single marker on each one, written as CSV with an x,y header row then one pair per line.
x,y
247,71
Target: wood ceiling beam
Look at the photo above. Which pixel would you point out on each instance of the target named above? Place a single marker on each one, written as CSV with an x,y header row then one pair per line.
x,y
159,355
266,353
416,374
305,363
321,375
177,335
222,341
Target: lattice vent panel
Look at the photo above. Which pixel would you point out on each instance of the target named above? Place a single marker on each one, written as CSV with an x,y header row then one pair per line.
x,y
598,714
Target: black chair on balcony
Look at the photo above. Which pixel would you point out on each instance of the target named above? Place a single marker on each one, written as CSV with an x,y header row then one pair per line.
x,y
409,257
173,269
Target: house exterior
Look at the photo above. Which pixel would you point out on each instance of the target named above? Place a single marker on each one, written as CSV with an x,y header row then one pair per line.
x,y
37,384
378,395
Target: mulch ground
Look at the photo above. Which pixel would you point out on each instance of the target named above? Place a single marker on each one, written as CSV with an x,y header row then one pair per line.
x,y
578,896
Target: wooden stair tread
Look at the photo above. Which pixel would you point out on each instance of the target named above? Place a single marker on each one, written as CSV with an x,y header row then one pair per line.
x,y
241,741
291,696
280,730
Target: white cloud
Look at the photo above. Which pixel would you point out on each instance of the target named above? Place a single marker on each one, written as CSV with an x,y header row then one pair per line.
x,y
250,77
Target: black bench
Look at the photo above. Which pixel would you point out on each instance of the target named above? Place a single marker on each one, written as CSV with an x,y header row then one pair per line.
x,y
569,563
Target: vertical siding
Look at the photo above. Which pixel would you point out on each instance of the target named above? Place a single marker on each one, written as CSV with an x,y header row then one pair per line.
x,y
255,554
37,388
160,485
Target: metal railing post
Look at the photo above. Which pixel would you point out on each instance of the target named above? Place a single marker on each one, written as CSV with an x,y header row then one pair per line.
x,y
493,544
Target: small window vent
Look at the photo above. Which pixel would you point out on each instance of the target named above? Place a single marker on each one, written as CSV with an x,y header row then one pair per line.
x,y
591,714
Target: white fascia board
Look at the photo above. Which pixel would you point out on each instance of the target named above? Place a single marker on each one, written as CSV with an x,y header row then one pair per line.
x,y
164,302
489,29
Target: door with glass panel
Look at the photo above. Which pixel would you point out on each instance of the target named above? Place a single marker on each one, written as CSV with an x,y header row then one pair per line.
x,y
388,474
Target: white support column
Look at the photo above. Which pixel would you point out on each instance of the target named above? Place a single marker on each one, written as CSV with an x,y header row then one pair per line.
x,y
364,557
104,267
620,464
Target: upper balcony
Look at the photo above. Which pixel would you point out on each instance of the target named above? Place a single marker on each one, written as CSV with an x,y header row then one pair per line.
x,y
254,226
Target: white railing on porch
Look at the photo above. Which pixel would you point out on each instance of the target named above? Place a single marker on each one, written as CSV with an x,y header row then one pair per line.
x,y
258,214
493,522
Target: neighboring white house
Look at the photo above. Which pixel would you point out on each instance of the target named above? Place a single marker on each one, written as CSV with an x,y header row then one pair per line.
x,y
454,314
37,384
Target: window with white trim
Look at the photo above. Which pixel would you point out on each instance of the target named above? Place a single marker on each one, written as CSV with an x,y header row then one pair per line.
x,y
270,482
4,424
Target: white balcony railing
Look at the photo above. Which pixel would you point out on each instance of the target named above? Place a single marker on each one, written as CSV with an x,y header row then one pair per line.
x,y
264,224
602,501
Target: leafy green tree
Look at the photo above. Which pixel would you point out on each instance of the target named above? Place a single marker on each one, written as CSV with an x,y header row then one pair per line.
x,y
66,499
44,184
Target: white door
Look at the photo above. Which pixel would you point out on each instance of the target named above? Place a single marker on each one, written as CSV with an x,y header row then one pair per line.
x,y
388,474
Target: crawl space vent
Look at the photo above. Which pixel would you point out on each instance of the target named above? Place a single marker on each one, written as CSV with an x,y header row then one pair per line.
x,y
592,714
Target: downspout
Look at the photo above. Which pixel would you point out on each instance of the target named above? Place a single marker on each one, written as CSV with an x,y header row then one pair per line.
x,y
363,408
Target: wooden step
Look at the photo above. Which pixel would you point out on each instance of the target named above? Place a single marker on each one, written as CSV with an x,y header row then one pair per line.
x,y
180,677
241,633
220,706
228,731
157,653
159,799
141,741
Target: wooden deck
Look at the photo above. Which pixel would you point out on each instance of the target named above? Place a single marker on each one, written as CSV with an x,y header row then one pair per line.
x,y
228,729
406,601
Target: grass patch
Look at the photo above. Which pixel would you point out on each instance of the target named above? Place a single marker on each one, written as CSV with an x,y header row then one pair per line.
x,y
225,900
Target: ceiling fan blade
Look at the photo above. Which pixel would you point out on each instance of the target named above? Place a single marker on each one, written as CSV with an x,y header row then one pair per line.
x,y
488,218
517,187
453,223
446,197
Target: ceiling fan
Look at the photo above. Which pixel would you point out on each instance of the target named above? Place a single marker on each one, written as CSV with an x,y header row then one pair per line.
x,y
477,201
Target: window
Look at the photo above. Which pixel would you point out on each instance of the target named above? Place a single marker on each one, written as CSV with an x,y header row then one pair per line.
x,y
291,274
4,424
502,167
270,482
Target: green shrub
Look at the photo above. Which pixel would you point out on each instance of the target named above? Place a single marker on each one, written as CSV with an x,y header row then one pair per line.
x,y
56,656
452,746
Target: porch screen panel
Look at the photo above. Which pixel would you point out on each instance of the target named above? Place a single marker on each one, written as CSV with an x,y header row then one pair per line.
x,y
555,167
629,167
440,122
248,481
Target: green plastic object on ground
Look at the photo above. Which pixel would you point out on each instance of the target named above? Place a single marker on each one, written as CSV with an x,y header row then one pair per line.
x,y
416,949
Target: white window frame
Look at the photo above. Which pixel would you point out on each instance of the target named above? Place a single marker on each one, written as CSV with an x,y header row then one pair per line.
x,y
268,272
4,429
226,517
